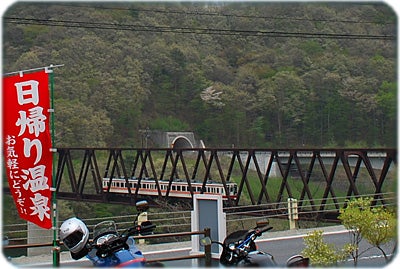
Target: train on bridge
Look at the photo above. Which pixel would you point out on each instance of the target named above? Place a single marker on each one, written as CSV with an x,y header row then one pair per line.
x,y
178,188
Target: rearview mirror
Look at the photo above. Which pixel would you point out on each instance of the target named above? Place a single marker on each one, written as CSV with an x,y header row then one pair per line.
x,y
142,206
205,241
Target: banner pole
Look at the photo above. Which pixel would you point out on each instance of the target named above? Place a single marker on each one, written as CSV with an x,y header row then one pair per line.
x,y
56,247
21,72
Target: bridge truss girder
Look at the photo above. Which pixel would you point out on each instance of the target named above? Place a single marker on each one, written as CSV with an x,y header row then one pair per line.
x,y
319,186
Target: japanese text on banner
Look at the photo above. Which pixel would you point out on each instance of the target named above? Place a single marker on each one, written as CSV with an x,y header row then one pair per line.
x,y
27,144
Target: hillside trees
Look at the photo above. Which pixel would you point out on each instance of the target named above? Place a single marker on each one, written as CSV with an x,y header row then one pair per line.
x,y
133,64
81,125
288,95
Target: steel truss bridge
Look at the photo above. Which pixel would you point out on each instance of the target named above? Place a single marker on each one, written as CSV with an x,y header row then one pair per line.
x,y
320,179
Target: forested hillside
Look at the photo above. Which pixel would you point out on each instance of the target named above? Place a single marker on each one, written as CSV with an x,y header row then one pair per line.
x,y
245,74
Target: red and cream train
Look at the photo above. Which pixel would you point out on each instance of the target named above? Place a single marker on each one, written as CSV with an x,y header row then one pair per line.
x,y
179,188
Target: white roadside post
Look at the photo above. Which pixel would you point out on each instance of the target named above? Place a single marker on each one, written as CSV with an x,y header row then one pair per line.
x,y
292,213
142,218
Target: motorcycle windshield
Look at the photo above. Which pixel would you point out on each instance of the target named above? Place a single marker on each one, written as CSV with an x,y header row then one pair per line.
x,y
104,227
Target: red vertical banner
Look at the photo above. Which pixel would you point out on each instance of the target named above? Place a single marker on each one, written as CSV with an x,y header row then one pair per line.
x,y
27,144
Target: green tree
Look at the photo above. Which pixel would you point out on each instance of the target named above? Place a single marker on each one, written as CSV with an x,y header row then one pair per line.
x,y
387,111
377,225
286,94
169,124
78,125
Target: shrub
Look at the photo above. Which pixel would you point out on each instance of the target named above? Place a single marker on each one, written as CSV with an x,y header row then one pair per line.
x,y
321,253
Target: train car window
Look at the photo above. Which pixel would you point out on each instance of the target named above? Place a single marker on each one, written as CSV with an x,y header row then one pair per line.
x,y
173,187
234,189
178,188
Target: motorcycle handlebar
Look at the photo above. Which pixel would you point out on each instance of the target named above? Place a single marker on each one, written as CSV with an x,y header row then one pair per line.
x,y
146,227
110,247
143,229
262,230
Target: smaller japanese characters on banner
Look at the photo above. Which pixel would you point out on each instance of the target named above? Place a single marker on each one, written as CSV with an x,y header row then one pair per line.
x,y
27,145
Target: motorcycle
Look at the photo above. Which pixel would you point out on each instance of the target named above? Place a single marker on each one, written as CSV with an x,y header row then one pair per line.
x,y
112,249
239,249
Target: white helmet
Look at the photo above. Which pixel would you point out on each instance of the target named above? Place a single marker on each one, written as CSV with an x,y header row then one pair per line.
x,y
75,234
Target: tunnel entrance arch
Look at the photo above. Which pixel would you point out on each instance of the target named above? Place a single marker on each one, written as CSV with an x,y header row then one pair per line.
x,y
181,142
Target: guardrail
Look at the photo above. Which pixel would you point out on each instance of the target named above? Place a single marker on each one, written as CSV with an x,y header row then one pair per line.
x,y
206,255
